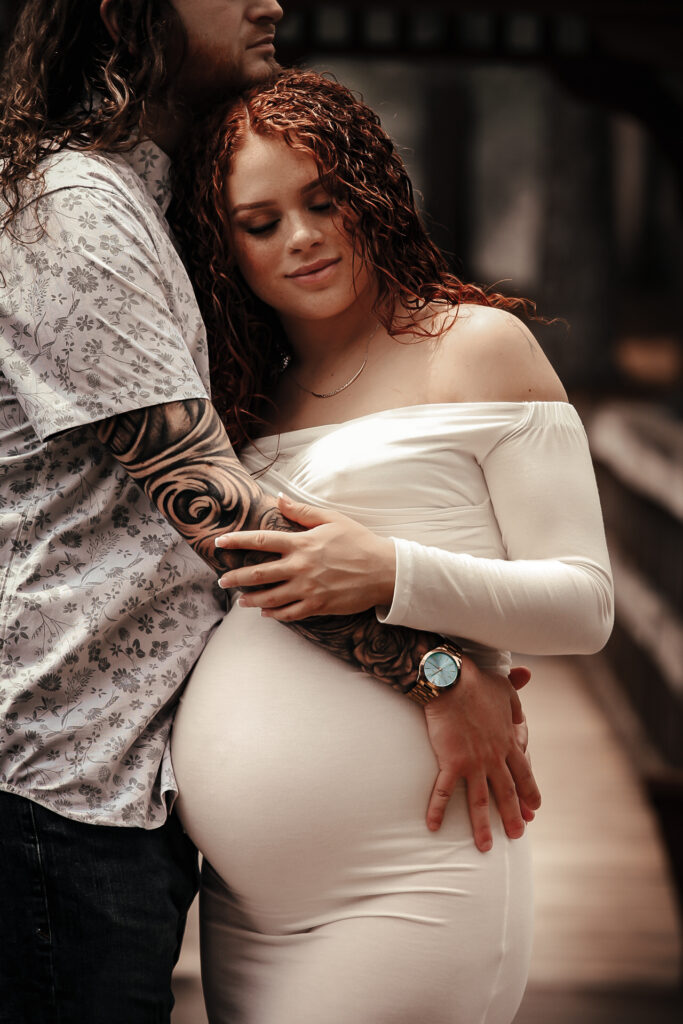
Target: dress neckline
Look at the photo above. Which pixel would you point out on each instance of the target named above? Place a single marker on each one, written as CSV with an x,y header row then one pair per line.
x,y
400,409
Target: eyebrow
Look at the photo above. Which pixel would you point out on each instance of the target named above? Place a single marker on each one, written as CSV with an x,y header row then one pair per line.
x,y
312,185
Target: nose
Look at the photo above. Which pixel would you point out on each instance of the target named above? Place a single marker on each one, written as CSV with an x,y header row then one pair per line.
x,y
304,234
266,10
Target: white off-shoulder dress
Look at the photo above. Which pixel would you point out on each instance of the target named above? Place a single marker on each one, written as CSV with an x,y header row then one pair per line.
x,y
305,783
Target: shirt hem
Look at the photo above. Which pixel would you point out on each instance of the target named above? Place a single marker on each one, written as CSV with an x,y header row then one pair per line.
x,y
165,809
196,391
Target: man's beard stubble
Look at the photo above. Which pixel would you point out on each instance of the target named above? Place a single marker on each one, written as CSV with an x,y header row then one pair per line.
x,y
207,79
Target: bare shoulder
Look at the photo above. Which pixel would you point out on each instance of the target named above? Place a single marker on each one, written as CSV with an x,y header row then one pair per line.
x,y
489,355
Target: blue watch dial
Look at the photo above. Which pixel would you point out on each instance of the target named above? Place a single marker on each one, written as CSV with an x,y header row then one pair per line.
x,y
441,669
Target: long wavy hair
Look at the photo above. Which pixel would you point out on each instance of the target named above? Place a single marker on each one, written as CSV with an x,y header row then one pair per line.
x,y
361,170
65,82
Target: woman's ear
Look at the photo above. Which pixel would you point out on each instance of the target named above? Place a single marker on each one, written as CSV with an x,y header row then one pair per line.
x,y
110,19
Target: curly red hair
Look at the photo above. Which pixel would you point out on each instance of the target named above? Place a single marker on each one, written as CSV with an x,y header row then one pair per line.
x,y
360,168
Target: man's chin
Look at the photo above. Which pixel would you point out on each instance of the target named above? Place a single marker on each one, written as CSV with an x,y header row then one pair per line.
x,y
214,84
262,72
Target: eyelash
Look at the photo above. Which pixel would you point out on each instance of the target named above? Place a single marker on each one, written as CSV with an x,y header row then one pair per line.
x,y
263,229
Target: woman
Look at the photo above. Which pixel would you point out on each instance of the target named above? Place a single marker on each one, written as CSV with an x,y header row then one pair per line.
x,y
424,411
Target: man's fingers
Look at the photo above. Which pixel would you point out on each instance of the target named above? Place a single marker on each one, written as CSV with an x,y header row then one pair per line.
x,y
507,801
519,676
441,793
527,812
523,778
516,706
480,815
522,736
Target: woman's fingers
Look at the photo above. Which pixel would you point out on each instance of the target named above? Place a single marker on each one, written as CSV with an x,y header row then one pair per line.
x,y
263,575
294,612
269,599
274,599
303,514
257,540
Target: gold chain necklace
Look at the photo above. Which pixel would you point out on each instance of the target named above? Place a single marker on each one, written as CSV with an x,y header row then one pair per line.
x,y
350,381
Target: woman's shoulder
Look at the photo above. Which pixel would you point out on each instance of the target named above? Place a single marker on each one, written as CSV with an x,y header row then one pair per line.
x,y
487,354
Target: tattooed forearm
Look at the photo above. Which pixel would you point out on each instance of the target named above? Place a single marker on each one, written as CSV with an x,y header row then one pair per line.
x,y
391,654
180,455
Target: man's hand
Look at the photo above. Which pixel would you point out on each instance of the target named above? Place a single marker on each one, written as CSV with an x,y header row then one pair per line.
x,y
179,453
478,733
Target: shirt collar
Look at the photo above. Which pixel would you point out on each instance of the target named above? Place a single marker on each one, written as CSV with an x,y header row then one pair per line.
x,y
153,167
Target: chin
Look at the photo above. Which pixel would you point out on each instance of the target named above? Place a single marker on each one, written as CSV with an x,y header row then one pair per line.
x,y
261,71
206,81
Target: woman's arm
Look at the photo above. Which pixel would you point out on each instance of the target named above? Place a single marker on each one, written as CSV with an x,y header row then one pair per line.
x,y
180,455
553,593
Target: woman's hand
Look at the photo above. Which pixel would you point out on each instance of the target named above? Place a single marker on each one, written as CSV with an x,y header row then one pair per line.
x,y
334,567
478,733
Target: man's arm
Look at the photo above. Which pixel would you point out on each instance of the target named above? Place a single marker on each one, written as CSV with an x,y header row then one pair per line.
x,y
180,455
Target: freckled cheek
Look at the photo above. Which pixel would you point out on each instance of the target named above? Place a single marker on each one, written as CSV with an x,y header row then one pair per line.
x,y
257,267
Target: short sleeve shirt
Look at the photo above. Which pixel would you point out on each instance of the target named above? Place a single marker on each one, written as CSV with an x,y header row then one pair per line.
x,y
103,607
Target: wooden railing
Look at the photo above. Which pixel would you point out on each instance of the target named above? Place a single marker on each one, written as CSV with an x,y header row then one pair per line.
x,y
638,454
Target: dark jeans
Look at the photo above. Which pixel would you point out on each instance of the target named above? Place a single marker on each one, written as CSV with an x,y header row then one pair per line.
x,y
91,917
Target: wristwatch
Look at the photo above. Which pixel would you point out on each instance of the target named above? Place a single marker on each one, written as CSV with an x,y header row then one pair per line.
x,y
439,671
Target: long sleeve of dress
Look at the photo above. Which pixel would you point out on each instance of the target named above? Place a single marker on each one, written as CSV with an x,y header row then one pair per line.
x,y
553,593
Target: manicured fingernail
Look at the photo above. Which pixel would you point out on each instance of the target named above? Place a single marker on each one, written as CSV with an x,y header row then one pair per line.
x,y
218,542
242,603
220,584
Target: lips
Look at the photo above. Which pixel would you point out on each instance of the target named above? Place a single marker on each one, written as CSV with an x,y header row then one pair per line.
x,y
311,270
265,41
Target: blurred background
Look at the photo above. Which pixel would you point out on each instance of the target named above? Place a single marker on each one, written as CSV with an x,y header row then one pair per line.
x,y
545,142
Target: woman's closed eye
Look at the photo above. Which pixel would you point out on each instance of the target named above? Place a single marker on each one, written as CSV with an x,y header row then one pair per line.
x,y
324,206
260,229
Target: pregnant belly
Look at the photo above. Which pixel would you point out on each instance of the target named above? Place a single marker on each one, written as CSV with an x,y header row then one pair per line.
x,y
286,757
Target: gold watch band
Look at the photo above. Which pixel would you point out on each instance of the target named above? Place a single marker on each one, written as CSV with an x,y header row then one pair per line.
x,y
423,692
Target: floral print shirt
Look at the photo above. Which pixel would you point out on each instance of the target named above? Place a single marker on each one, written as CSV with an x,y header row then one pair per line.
x,y
103,607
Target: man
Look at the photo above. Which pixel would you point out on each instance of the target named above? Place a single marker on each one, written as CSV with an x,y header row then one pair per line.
x,y
113,462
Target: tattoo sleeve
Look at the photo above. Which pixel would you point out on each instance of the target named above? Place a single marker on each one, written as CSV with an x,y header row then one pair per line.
x,y
179,453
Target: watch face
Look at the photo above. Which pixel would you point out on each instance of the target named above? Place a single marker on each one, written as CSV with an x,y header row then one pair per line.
x,y
440,669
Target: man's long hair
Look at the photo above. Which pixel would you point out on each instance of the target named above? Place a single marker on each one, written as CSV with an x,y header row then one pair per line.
x,y
66,82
